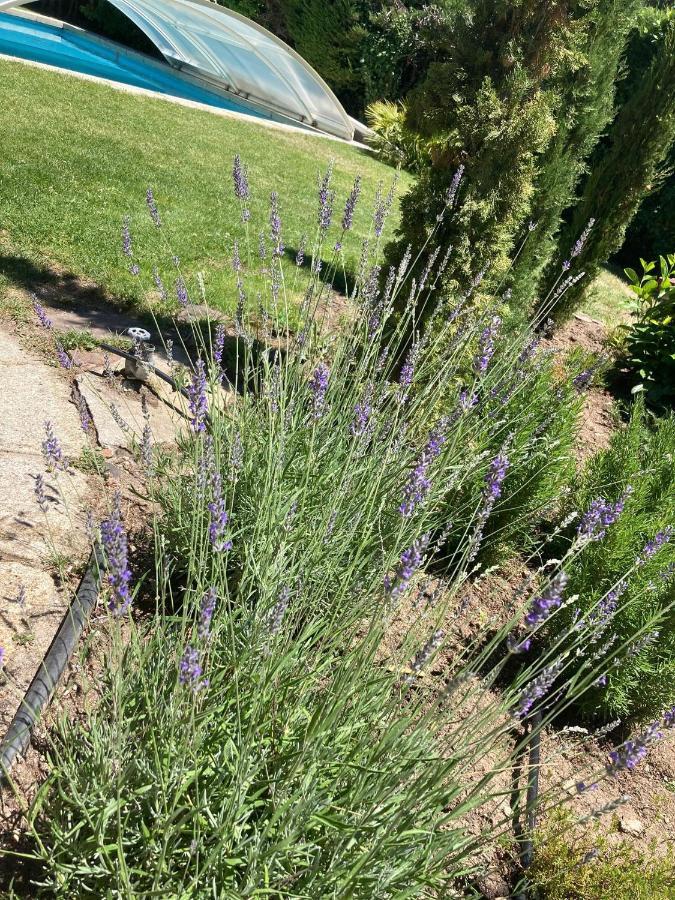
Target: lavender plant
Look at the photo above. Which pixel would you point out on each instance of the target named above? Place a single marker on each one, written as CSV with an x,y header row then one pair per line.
x,y
302,721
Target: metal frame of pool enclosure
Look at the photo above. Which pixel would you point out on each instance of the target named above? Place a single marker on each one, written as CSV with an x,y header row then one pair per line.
x,y
232,56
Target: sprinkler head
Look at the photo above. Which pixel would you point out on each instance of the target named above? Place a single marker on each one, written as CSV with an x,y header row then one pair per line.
x,y
139,334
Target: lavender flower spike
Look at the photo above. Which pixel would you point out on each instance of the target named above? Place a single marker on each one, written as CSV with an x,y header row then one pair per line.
x,y
152,208
632,752
544,605
206,610
40,495
600,515
43,318
52,451
486,346
454,186
190,670
318,385
64,359
114,540
275,225
409,563
350,205
326,199
197,399
579,246
537,689
241,188
652,546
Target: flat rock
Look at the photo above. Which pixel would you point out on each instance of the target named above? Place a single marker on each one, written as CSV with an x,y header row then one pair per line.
x,y
632,827
121,429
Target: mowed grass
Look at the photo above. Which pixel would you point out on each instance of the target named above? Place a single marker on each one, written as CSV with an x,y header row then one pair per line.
x,y
609,298
78,156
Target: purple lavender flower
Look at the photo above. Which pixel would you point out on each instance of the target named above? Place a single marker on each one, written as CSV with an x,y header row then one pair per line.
x,y
43,318
197,399
2,657
318,385
529,351
190,670
85,417
537,689
278,611
579,246
652,546
40,495
467,401
114,540
218,516
275,226
600,515
64,359
241,187
495,477
350,205
547,602
181,291
159,284
146,448
152,208
632,752
126,238
424,654
383,207
206,610
300,255
451,193
409,563
407,372
491,493
419,484
326,200
363,410
516,644
486,346
52,451
218,347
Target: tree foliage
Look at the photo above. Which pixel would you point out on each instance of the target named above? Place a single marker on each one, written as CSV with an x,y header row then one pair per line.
x,y
638,143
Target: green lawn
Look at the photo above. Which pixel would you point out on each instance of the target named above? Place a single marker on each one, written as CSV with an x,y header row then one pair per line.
x,y
609,298
77,157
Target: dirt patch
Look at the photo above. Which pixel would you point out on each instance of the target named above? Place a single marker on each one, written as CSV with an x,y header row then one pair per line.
x,y
598,417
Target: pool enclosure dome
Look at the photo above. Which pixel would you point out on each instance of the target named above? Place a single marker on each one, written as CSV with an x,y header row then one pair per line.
x,y
230,53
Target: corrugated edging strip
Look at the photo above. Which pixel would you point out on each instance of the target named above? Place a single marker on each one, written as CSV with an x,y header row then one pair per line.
x,y
16,741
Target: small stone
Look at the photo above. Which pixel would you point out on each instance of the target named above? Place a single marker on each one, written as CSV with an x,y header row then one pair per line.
x,y
493,886
633,827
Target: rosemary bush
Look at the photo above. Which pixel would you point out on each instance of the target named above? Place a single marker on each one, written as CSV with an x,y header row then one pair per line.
x,y
633,563
275,729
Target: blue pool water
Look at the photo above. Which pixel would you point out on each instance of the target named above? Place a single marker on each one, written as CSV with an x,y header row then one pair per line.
x,y
76,50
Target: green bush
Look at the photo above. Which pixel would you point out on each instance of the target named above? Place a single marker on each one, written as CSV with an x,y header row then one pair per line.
x,y
650,341
640,459
570,864
395,143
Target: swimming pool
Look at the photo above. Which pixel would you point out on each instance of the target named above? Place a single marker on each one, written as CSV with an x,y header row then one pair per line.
x,y
79,51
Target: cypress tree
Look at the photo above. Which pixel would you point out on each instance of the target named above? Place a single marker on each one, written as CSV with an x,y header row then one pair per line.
x,y
638,142
586,92
490,104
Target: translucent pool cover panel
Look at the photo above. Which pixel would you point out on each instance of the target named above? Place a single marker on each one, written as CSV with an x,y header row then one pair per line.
x,y
230,51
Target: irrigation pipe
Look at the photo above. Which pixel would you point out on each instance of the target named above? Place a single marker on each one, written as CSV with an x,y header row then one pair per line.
x,y
534,759
16,741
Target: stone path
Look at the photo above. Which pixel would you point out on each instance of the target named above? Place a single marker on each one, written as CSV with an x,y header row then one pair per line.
x,y
34,545
41,553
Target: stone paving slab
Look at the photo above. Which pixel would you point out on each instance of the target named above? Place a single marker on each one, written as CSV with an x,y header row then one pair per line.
x,y
33,544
